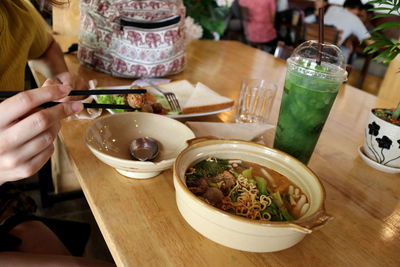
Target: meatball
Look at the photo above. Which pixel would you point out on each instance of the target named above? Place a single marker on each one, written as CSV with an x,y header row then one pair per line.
x,y
136,100
157,108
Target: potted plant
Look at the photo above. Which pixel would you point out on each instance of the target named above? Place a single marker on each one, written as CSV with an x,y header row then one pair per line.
x,y
382,133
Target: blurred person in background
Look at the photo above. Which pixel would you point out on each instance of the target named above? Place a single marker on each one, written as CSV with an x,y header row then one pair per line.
x,y
27,133
366,16
312,13
346,18
259,23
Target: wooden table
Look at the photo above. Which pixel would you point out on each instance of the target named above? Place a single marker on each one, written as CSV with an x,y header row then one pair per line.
x,y
141,223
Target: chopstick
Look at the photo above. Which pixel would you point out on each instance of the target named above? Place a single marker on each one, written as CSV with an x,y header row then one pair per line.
x,y
93,105
108,92
5,94
90,105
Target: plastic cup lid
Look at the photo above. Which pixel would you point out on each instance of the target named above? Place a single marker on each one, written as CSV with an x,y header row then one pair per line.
x,y
332,60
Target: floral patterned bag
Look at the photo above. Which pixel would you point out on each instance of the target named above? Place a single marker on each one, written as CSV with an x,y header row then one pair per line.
x,y
133,38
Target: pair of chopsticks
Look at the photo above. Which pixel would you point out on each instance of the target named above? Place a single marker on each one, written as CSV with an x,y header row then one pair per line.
x,y
6,94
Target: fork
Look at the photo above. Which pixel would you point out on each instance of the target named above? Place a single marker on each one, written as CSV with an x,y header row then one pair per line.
x,y
171,97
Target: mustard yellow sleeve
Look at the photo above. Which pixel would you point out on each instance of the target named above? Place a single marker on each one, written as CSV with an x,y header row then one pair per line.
x,y
40,30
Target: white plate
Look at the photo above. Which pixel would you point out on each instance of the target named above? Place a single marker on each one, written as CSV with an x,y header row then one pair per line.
x,y
375,164
180,116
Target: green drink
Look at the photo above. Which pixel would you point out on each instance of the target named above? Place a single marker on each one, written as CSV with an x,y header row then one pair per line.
x,y
308,96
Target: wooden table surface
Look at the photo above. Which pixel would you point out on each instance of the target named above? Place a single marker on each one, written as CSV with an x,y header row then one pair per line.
x,y
141,223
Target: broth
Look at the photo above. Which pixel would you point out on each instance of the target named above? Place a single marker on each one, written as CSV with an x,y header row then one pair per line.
x,y
246,189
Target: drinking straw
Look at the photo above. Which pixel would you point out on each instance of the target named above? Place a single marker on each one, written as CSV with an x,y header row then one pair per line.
x,y
320,34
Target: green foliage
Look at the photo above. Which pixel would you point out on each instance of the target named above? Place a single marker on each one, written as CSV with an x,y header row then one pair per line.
x,y
387,48
210,16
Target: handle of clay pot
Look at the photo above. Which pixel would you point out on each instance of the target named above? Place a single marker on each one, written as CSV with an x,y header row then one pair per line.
x,y
200,139
316,221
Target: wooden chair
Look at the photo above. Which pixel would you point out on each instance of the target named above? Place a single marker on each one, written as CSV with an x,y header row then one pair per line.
x,y
244,18
289,25
283,51
331,34
235,28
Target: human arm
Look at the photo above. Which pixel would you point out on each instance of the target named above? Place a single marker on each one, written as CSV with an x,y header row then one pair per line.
x,y
312,18
46,56
53,60
27,132
359,30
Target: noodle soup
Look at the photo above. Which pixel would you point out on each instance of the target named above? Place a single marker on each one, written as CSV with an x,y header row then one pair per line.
x,y
246,189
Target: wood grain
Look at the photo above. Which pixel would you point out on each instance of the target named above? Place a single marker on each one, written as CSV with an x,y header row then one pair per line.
x,y
141,223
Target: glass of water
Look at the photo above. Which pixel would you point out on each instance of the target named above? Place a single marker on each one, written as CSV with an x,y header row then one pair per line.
x,y
255,101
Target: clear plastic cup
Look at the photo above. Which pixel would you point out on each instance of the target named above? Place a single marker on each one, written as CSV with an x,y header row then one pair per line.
x,y
309,93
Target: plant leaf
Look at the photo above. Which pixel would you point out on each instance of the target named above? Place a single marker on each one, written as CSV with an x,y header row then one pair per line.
x,y
383,15
375,2
387,25
386,56
379,9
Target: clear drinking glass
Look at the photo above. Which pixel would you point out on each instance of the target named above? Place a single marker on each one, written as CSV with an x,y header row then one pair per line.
x,y
255,101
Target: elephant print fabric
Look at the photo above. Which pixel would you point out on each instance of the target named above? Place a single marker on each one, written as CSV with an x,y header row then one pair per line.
x,y
133,39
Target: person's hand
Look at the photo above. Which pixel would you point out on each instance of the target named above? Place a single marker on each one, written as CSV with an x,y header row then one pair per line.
x,y
75,81
27,132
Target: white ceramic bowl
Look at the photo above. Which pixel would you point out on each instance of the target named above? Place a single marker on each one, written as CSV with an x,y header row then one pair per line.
x,y
382,141
109,138
238,232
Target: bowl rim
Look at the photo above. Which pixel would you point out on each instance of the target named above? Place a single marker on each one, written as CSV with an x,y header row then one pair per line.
x,y
285,224
127,161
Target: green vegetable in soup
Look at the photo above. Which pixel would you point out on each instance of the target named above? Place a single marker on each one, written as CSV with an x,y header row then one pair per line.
x,y
283,210
274,211
231,170
252,181
262,185
211,167
277,199
286,214
248,173
234,196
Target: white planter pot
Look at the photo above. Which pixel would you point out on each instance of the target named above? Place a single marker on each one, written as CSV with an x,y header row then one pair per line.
x,y
382,141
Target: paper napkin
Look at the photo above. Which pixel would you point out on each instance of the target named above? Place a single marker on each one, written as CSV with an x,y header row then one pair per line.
x,y
242,131
204,96
192,99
